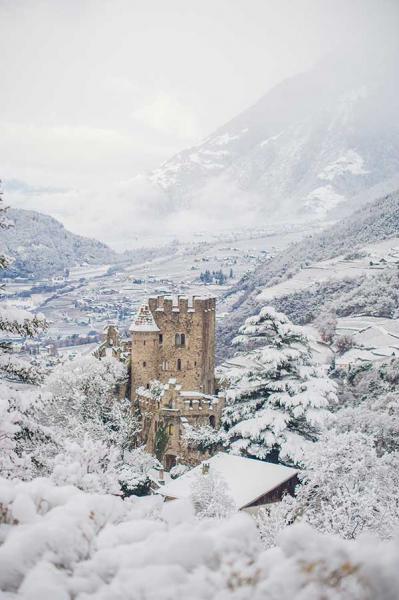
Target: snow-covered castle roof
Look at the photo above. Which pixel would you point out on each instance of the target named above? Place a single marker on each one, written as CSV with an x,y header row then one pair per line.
x,y
144,321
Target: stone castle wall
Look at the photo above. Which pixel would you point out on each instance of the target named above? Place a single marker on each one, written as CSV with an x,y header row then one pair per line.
x,y
157,355
174,411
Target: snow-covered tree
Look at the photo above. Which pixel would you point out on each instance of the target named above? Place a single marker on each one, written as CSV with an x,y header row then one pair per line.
x,y
82,400
204,438
326,324
82,403
16,322
277,399
90,465
210,495
347,489
26,443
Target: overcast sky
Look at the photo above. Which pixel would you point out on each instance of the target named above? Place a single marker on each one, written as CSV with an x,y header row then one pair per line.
x,y
94,92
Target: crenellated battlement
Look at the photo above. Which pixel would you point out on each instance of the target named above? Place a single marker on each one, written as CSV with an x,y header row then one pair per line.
x,y
181,304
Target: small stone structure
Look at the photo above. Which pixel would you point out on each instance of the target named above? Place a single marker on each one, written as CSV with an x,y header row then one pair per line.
x,y
113,344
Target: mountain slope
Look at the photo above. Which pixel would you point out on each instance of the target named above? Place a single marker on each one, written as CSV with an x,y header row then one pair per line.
x,y
375,221
41,246
307,147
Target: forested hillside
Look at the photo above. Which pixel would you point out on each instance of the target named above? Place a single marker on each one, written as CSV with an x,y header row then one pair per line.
x,y
376,221
40,246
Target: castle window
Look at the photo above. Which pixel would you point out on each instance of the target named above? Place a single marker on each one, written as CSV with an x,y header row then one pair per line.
x,y
170,429
178,364
212,421
144,364
160,338
148,386
143,342
180,340
190,404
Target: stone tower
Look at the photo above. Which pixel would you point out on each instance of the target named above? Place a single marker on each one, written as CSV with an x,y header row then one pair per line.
x,y
174,341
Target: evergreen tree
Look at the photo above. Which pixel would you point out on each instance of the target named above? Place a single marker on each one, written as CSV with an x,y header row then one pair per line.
x,y
277,398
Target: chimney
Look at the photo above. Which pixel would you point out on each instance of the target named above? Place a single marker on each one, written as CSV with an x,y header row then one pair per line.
x,y
205,468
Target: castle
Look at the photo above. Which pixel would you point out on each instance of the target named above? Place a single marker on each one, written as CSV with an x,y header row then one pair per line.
x,y
173,343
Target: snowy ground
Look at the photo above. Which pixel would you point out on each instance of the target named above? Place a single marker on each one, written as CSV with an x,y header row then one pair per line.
x,y
60,543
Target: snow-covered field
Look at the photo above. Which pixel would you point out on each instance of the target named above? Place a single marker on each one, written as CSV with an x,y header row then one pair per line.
x,y
337,268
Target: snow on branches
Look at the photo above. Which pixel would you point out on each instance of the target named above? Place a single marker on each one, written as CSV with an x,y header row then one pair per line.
x,y
277,399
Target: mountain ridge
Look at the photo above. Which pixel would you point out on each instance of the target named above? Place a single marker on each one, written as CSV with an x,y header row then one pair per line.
x,y
306,148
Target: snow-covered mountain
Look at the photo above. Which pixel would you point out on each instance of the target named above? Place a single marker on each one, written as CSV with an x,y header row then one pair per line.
x,y
40,246
310,146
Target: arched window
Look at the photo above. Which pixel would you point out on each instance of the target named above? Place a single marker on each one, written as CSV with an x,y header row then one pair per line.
x,y
170,429
180,340
178,364
212,421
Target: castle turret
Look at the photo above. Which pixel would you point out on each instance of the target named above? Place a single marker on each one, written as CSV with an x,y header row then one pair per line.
x,y
146,339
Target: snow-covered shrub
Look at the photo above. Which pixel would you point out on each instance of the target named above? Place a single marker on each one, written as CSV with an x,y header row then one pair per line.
x,y
210,495
61,543
134,473
343,343
277,398
272,520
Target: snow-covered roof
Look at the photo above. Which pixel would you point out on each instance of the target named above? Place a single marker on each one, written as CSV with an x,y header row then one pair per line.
x,y
144,321
248,479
